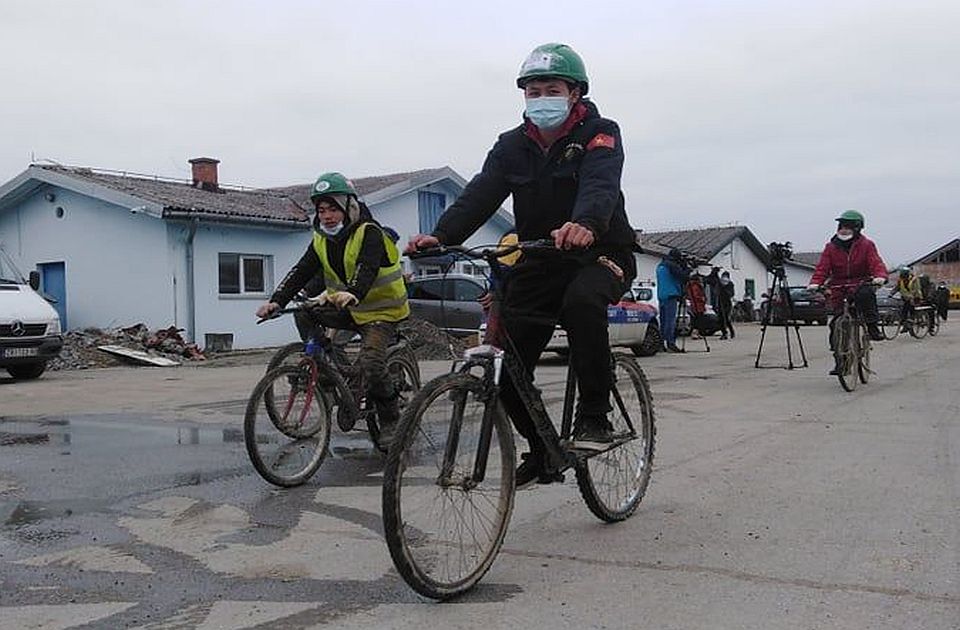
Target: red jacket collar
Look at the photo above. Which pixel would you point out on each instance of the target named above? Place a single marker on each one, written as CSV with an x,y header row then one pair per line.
x,y
577,113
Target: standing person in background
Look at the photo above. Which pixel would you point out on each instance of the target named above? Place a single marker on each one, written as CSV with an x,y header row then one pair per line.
x,y
942,299
725,305
672,276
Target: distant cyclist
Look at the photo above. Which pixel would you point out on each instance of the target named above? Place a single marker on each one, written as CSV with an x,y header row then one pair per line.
x,y
363,279
850,263
911,294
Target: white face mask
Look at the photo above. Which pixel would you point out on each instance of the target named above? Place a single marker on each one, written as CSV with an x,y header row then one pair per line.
x,y
332,231
844,237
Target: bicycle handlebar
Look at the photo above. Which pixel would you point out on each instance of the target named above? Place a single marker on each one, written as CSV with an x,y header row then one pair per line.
x,y
485,252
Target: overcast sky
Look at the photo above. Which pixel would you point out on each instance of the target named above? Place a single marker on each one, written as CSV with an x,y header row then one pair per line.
x,y
773,114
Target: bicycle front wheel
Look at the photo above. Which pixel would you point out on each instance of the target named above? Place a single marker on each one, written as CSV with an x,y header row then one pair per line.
x,y
891,327
918,327
846,352
444,525
863,365
286,428
613,483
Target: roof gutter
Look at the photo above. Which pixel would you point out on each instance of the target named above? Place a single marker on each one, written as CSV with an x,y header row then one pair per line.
x,y
191,215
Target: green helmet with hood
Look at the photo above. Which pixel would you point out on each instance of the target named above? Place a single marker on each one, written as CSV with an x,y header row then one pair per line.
x,y
852,216
330,184
554,61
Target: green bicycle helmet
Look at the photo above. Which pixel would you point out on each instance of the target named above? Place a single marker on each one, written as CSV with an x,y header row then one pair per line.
x,y
554,61
332,184
852,216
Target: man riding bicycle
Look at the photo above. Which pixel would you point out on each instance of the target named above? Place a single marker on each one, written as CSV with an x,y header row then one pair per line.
x,y
363,282
850,263
562,165
908,286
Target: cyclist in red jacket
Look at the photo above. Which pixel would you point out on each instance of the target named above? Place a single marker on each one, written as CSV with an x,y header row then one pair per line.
x,y
850,263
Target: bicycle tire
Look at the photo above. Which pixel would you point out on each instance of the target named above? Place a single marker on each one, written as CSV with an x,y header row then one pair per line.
x,y
285,353
630,464
307,443
918,328
419,540
890,328
845,353
863,364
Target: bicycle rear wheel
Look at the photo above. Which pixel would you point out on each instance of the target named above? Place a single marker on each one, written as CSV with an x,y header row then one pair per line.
x,y
613,483
405,372
863,365
846,352
444,530
286,428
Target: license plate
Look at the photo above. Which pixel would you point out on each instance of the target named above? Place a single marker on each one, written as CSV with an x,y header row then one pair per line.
x,y
14,353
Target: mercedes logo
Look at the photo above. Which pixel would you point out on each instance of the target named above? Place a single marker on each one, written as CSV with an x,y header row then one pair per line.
x,y
17,329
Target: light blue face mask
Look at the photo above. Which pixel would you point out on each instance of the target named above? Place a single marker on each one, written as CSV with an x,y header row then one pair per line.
x,y
548,112
332,231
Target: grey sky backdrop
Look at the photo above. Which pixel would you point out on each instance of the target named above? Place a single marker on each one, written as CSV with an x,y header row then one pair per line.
x,y
769,113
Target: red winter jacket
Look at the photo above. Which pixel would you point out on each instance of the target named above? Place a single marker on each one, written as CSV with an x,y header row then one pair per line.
x,y
847,269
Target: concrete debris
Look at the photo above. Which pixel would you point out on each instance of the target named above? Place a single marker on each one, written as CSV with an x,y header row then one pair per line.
x,y
430,342
80,347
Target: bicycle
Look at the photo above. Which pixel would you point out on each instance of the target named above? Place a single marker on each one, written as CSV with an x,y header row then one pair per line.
x,y
448,489
851,345
287,423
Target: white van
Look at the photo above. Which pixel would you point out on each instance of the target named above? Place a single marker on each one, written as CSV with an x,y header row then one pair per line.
x,y
29,327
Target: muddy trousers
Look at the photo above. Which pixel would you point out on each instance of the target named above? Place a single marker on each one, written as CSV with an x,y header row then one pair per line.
x,y
576,296
375,338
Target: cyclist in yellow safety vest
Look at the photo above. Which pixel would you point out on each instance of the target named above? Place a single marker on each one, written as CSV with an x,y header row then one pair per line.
x,y
908,286
364,282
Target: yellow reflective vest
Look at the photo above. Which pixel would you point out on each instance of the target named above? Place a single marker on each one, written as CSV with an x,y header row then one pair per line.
x,y
386,301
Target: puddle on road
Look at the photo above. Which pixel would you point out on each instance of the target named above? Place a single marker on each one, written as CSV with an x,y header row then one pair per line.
x,y
104,431
17,513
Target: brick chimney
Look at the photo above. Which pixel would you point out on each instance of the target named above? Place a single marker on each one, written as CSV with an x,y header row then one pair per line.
x,y
205,173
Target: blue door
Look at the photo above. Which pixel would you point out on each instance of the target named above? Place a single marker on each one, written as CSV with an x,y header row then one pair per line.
x,y
53,282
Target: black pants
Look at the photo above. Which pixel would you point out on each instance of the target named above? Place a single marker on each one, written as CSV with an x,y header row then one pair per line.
x,y
576,295
724,309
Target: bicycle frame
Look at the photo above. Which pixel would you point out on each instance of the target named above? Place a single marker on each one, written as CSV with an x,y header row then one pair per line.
x,y
493,361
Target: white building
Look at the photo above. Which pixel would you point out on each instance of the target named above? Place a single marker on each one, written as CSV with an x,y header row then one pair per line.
x,y
731,248
116,248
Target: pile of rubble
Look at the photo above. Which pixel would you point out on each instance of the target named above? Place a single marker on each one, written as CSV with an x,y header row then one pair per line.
x,y
81,347
430,342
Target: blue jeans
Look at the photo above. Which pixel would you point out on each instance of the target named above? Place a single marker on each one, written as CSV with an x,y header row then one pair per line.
x,y
668,320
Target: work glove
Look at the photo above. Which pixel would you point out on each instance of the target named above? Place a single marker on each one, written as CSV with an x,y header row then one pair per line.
x,y
342,299
813,287
879,281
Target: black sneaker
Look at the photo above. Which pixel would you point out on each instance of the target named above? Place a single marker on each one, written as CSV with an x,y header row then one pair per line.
x,y
531,471
673,348
593,436
528,471
875,333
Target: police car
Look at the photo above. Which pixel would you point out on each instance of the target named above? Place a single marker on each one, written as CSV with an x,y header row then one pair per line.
x,y
633,323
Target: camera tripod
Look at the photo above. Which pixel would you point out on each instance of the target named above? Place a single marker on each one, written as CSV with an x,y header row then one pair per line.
x,y
781,289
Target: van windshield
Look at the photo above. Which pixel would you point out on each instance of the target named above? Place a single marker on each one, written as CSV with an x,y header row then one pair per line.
x,y
9,274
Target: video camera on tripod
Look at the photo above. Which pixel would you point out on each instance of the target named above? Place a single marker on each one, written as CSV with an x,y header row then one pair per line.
x,y
779,253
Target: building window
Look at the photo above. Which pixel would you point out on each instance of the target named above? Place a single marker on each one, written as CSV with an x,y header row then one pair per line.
x,y
243,273
750,288
430,206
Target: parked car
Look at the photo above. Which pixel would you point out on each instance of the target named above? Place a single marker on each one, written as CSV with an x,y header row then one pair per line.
x,y
29,327
808,307
449,301
632,324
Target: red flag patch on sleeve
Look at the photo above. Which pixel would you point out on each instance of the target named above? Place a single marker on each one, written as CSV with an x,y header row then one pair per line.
x,y
602,140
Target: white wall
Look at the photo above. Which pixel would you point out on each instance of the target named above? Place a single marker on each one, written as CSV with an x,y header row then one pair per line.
x,y
234,314
647,268
117,264
743,265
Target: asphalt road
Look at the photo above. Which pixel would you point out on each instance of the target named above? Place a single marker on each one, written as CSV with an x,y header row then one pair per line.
x,y
777,501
